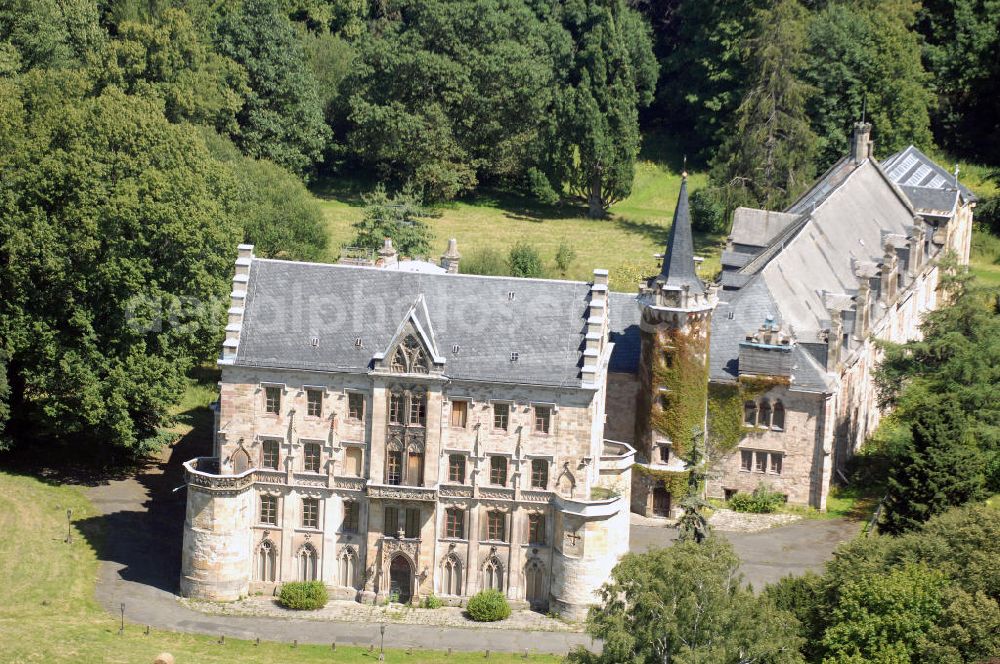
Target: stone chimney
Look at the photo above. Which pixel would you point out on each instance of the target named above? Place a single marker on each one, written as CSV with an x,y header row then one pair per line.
x,y
861,142
387,256
450,258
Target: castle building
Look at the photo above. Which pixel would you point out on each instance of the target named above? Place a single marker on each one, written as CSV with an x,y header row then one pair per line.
x,y
395,429
398,433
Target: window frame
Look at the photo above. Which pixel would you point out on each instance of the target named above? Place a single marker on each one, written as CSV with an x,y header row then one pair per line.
x,y
273,509
746,461
458,406
351,395
318,448
452,458
457,522
780,458
310,403
390,509
664,450
544,465
390,456
268,391
264,453
494,467
417,410
505,416
536,529
757,466
413,533
351,521
310,512
550,410
397,408
492,526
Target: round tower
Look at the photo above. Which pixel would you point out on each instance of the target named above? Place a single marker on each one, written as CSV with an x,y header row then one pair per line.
x,y
673,370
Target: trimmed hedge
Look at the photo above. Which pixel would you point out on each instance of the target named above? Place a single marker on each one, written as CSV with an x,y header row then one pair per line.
x,y
488,606
303,595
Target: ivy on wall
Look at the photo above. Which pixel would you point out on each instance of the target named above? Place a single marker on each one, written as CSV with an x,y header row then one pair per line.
x,y
680,366
674,481
725,410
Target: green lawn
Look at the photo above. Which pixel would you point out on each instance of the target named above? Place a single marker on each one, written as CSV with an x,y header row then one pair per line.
x,y
49,613
625,243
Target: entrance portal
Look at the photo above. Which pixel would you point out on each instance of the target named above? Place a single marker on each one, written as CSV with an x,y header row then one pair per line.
x,y
401,579
661,501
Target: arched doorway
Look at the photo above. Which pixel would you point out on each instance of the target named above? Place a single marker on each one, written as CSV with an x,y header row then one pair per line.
x,y
661,501
401,579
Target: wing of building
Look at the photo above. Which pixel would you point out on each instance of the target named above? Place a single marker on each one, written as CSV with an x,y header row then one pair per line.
x,y
401,432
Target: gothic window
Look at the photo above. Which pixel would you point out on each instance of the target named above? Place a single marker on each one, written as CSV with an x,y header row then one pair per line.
x,y
314,403
396,408
355,406
353,459
269,454
534,577
350,517
493,574
778,417
272,400
348,568
459,414
543,419
456,468
746,460
764,420
498,470
310,512
394,467
539,474
410,357
496,526
451,580
501,416
269,510
399,360
454,522
308,563
750,414
536,529
412,523
418,409
310,457
266,558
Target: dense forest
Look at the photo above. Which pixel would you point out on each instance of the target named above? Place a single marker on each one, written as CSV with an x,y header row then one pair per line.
x,y
141,138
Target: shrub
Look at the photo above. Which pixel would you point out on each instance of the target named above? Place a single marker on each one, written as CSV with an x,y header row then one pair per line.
x,y
761,501
524,261
488,606
485,261
707,212
565,256
432,602
303,595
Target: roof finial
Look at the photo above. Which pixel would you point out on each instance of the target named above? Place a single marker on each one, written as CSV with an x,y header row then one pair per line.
x,y
684,169
864,106
956,175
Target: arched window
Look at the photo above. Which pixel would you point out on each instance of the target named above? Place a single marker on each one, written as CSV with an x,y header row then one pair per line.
x,y
493,574
750,414
778,419
348,567
410,357
266,558
451,576
764,419
534,581
308,563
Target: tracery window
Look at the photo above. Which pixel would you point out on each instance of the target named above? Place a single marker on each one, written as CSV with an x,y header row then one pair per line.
x,y
493,574
266,558
308,563
451,579
348,567
534,577
410,357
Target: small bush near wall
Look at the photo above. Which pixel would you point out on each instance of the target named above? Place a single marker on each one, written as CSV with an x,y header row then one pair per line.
x,y
488,606
303,595
761,501
432,602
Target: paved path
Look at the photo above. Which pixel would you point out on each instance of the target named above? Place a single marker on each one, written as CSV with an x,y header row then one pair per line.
x,y
140,532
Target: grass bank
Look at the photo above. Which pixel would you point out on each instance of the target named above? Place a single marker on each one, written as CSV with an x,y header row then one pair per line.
x,y
49,613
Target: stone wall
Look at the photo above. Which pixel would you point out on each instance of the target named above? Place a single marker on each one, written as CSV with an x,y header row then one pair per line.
x,y
622,397
215,556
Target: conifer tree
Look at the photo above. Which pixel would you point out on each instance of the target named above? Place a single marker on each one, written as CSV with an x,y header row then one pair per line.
x,y
770,150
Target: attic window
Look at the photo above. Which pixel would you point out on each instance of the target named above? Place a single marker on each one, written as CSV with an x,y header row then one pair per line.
x,y
357,342
455,349
513,357
731,315
314,341
510,295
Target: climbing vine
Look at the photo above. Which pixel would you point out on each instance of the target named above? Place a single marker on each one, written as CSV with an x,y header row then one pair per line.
x,y
681,369
725,410
674,481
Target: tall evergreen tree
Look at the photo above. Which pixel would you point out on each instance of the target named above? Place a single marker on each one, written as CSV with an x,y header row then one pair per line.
x,y
864,53
610,73
770,150
940,468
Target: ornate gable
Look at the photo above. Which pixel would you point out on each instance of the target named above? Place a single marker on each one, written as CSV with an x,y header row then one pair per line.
x,y
412,349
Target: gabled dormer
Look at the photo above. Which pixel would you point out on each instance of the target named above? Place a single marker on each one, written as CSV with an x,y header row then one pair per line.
x,y
412,348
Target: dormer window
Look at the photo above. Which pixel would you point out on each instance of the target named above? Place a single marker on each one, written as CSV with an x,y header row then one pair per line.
x,y
410,357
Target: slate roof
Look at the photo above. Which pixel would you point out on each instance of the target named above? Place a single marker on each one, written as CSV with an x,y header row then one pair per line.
x,y
678,262
912,168
756,228
624,332
289,303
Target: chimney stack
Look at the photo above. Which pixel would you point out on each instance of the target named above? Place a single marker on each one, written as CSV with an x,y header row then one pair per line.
x,y
861,143
387,255
450,258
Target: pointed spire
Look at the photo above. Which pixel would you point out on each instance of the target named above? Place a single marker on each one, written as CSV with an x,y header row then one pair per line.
x,y
678,262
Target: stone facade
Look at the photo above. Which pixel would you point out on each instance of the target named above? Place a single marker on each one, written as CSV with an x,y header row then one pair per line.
x,y
402,482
